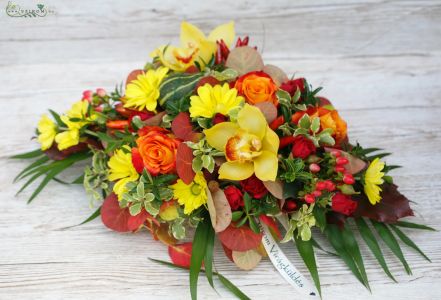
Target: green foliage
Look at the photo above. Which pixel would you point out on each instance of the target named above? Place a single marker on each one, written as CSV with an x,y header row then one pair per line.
x,y
306,251
301,221
148,192
293,169
203,156
178,86
45,168
225,75
117,141
309,127
227,284
95,180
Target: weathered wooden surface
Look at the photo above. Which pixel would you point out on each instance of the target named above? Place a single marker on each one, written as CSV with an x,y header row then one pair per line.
x,y
379,61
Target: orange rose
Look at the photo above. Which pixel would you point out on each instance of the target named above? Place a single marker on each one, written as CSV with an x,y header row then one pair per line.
x,y
157,149
257,87
328,119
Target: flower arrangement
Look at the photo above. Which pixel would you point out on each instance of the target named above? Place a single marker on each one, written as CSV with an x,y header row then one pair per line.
x,y
208,137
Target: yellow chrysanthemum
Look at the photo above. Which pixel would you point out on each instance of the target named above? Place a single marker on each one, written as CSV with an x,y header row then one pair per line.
x,y
250,146
71,136
67,139
373,178
46,132
191,195
121,169
214,99
143,92
195,46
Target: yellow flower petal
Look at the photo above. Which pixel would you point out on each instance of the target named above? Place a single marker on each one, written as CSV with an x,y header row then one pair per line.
x,y
191,35
46,132
235,170
266,165
373,178
218,135
270,141
67,139
252,120
223,32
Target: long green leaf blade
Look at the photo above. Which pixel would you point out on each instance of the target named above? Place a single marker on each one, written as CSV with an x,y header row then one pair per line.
x,y
26,155
392,243
334,235
373,245
198,253
413,225
306,251
92,216
232,288
208,259
317,245
33,165
408,241
351,246
228,284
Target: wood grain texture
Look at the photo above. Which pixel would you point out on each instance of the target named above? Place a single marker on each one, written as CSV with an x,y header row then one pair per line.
x,y
379,62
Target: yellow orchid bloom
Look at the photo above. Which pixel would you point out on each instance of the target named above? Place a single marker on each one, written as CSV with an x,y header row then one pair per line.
x,y
211,100
195,46
122,171
373,178
143,92
46,132
250,146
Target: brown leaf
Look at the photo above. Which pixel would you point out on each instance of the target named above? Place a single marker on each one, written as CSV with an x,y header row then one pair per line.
x,y
277,74
268,109
247,260
275,188
240,238
393,206
244,59
133,75
155,120
182,128
219,209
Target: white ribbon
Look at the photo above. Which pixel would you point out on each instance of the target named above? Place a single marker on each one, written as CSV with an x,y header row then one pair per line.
x,y
285,267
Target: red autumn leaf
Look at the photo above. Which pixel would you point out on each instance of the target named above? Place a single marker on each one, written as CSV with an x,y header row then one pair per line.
x,y
184,159
155,120
272,225
392,206
209,79
133,75
182,128
228,252
113,216
137,160
180,254
240,239
134,222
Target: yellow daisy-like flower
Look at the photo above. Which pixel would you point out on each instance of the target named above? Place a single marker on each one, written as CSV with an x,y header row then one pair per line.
x,y
143,92
67,139
121,169
195,46
71,136
191,195
373,178
47,130
250,146
214,99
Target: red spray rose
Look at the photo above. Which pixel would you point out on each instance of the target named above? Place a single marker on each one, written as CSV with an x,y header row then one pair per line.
x,y
234,197
343,204
291,86
302,147
254,187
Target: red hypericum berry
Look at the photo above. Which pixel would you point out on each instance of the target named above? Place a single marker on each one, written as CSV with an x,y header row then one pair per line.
x,y
309,198
341,161
314,168
330,186
339,169
335,153
290,205
348,179
320,186
317,193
